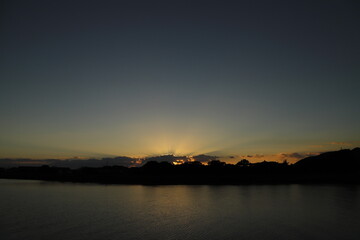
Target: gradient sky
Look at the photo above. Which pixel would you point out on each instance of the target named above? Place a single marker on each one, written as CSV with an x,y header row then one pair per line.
x,y
142,78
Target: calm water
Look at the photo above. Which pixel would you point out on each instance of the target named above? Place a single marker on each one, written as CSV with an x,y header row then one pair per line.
x,y
45,210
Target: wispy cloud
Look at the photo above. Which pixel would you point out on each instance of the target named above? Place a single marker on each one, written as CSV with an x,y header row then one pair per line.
x,y
297,156
317,146
342,143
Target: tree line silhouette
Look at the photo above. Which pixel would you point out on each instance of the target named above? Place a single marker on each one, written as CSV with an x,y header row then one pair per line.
x,y
332,167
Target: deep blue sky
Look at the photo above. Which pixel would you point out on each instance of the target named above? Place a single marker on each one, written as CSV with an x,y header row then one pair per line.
x,y
138,78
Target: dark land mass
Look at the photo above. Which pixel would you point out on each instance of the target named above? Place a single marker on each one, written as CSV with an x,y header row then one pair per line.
x,y
331,167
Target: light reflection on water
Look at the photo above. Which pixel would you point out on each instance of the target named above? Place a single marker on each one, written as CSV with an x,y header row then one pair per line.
x,y
45,210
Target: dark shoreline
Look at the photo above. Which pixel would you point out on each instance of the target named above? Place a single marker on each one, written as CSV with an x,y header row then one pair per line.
x,y
339,167
102,176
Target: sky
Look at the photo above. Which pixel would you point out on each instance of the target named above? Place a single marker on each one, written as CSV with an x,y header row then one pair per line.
x,y
256,79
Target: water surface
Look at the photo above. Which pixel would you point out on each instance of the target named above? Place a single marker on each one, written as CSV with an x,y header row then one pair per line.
x,y
47,210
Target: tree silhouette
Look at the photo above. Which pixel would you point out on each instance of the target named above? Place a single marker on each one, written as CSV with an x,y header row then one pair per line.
x,y
216,163
243,163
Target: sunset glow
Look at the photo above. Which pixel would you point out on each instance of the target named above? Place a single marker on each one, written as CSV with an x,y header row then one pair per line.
x,y
232,81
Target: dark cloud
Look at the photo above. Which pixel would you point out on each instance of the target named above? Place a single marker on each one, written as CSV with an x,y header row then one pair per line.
x,y
8,163
165,158
180,159
205,158
77,163
254,156
71,163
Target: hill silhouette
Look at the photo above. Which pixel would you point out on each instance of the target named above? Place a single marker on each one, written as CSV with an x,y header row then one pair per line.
x,y
338,161
331,167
